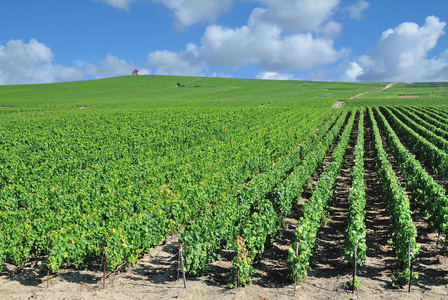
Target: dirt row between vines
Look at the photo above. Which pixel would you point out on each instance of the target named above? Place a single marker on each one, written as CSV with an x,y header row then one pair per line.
x,y
155,276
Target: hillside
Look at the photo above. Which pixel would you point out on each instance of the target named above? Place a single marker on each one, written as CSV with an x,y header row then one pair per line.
x,y
162,92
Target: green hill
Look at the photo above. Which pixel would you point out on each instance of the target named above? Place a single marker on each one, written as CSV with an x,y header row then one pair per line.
x,y
162,91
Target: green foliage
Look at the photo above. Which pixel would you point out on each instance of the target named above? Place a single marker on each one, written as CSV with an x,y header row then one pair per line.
x,y
397,205
434,158
401,94
349,285
355,233
78,185
402,279
313,211
144,159
242,262
429,195
251,213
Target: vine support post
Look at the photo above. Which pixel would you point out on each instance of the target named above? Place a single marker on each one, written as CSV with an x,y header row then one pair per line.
x,y
295,276
48,269
354,269
181,257
437,243
104,271
237,279
178,267
409,265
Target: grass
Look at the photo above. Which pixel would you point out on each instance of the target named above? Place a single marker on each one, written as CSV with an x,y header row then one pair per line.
x,y
150,91
130,92
428,94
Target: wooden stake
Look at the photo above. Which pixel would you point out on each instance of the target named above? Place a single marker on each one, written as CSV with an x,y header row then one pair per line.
x,y
182,264
437,243
237,279
178,267
409,265
104,272
295,276
354,269
48,270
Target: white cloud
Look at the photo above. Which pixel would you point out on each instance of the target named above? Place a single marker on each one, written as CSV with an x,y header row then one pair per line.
x,y
353,72
295,15
331,29
221,75
22,63
355,11
280,36
265,45
186,62
444,54
122,4
185,12
111,66
189,12
401,54
275,75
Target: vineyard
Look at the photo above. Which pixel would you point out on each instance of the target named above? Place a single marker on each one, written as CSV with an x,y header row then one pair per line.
x,y
267,188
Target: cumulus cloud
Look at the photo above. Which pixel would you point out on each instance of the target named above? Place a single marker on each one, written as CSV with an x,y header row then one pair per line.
x,y
279,36
32,62
283,35
221,75
28,63
444,54
122,4
266,45
401,54
189,12
275,75
186,62
356,10
353,72
296,15
185,12
110,66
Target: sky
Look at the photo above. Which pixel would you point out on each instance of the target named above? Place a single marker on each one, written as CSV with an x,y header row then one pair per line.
x,y
327,40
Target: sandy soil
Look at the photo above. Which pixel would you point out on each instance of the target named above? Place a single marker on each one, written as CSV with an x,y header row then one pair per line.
x,y
388,86
338,104
155,275
409,96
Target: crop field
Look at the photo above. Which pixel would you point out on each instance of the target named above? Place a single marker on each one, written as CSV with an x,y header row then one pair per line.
x,y
274,189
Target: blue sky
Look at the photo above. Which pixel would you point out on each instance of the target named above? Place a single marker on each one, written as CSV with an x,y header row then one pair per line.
x,y
337,40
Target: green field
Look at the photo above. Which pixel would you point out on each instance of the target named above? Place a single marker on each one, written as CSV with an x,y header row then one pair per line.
x,y
138,92
109,168
141,92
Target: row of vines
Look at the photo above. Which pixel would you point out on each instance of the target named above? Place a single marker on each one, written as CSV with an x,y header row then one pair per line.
x,y
76,187
79,187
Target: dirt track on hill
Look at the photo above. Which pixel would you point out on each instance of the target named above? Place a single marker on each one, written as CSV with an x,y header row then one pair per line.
x,y
388,86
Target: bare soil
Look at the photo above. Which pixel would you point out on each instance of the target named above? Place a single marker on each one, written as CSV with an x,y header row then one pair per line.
x,y
155,275
409,96
338,104
388,86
